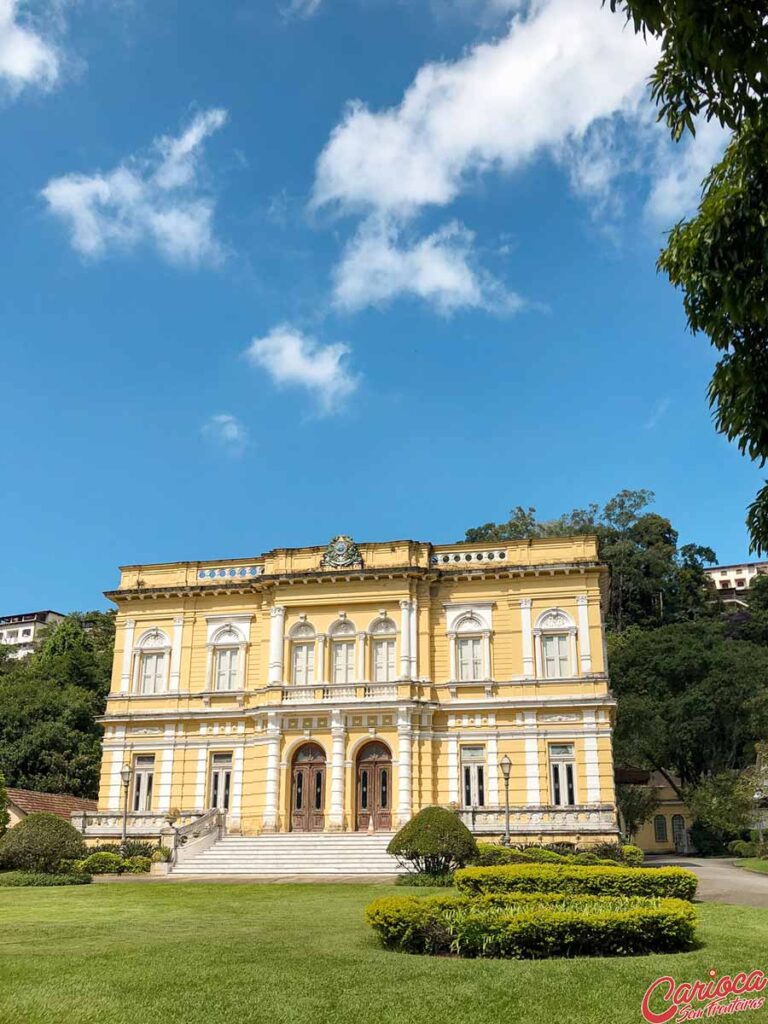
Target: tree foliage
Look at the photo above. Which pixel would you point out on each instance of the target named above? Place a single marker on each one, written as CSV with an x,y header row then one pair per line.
x,y
714,63
39,843
4,815
636,805
49,702
651,580
434,842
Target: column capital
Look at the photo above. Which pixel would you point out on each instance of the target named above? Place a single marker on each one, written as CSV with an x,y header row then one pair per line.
x,y
526,602
582,599
277,611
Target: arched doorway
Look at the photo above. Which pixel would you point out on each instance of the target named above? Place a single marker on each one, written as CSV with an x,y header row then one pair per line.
x,y
308,789
374,787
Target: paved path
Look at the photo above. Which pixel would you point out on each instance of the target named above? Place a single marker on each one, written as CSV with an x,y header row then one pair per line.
x,y
720,880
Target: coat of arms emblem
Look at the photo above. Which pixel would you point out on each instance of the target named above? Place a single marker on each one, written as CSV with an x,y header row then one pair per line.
x,y
342,553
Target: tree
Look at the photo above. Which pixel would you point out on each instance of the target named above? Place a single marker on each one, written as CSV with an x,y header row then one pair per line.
x,y
713,64
692,701
724,803
49,702
650,581
4,815
434,842
636,805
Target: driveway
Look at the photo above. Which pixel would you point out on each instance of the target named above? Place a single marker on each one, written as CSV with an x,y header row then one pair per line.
x,y
719,880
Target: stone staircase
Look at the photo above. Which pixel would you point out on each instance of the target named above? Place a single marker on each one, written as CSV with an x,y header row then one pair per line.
x,y
295,853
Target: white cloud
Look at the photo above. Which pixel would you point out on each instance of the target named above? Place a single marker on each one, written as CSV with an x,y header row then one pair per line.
x,y
657,413
227,431
26,58
294,359
302,8
680,169
558,70
438,268
156,199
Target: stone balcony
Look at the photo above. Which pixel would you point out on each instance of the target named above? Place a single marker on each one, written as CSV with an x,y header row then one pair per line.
x,y
109,824
542,820
334,692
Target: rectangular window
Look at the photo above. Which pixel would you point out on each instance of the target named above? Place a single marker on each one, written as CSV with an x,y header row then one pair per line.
x,y
152,673
383,661
470,657
26,632
473,776
304,664
344,661
221,780
660,828
226,677
143,780
562,773
556,661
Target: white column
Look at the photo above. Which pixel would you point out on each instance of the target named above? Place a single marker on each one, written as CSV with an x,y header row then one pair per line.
x,y
361,660
118,760
492,750
125,672
338,733
414,651
320,659
487,654
453,770
237,785
591,768
178,628
533,783
269,823
404,766
405,639
202,758
572,651
527,633
166,770
452,656
582,603
276,631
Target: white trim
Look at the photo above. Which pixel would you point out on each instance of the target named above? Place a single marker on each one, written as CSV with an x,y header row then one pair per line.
x,y
271,791
532,775
404,764
125,674
482,610
215,623
453,769
237,782
338,742
529,669
492,754
202,764
178,629
276,630
582,603
405,639
591,765
165,773
414,651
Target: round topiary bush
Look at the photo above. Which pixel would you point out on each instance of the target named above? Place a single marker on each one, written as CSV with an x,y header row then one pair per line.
x,y
39,843
103,863
434,842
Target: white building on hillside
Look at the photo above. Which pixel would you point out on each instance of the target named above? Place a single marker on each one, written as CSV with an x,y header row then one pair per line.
x,y
20,632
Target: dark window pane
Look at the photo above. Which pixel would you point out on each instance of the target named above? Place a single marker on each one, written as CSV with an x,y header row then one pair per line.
x,y
569,777
299,790
364,789
215,790
227,783
480,786
556,784
384,788
319,791
148,798
467,786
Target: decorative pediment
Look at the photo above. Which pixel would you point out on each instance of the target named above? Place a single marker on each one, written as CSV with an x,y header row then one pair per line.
x,y
342,553
153,639
228,635
554,618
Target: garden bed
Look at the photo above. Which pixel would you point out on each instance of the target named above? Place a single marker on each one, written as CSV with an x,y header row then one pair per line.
x,y
599,881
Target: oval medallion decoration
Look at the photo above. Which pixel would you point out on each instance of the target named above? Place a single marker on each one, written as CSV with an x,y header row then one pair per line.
x,y
341,553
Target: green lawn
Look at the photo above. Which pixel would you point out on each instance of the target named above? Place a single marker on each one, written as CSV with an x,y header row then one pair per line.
x,y
133,953
754,864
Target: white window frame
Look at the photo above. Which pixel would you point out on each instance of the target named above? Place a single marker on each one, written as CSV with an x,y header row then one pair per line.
x,y
217,778
159,676
474,776
303,675
555,622
229,676
226,636
562,775
152,642
143,783
387,645
470,669
348,666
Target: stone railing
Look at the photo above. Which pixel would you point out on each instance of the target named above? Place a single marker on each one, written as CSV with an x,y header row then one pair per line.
x,y
109,824
584,819
188,840
338,691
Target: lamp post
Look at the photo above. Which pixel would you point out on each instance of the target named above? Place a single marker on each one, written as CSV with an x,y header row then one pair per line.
x,y
506,767
125,775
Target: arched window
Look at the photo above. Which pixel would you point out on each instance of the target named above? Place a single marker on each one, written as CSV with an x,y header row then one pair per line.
x,y
228,647
152,662
302,637
555,635
342,634
678,831
470,660
383,632
660,828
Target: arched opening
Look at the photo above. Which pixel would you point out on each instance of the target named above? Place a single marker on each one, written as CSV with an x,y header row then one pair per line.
x,y
308,789
373,801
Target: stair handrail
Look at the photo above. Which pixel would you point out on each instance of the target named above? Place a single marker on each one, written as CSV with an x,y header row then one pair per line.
x,y
213,820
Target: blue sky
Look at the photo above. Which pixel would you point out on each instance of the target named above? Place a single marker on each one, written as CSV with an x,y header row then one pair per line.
x,y
384,268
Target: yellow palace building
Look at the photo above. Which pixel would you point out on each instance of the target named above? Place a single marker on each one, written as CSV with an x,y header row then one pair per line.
x,y
342,688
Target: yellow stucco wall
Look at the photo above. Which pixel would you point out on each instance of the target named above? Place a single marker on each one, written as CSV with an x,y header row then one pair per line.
x,y
425,715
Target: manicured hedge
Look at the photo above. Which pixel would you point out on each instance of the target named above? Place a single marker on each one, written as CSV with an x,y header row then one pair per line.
x,y
107,863
532,927
14,879
598,880
39,843
490,854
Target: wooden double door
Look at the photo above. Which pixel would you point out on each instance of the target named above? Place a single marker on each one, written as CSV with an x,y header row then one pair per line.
x,y
308,789
374,787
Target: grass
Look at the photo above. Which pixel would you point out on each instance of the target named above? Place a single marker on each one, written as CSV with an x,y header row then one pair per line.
x,y
754,864
192,953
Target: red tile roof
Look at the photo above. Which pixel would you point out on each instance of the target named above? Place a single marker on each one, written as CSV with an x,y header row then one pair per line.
x,y
62,804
